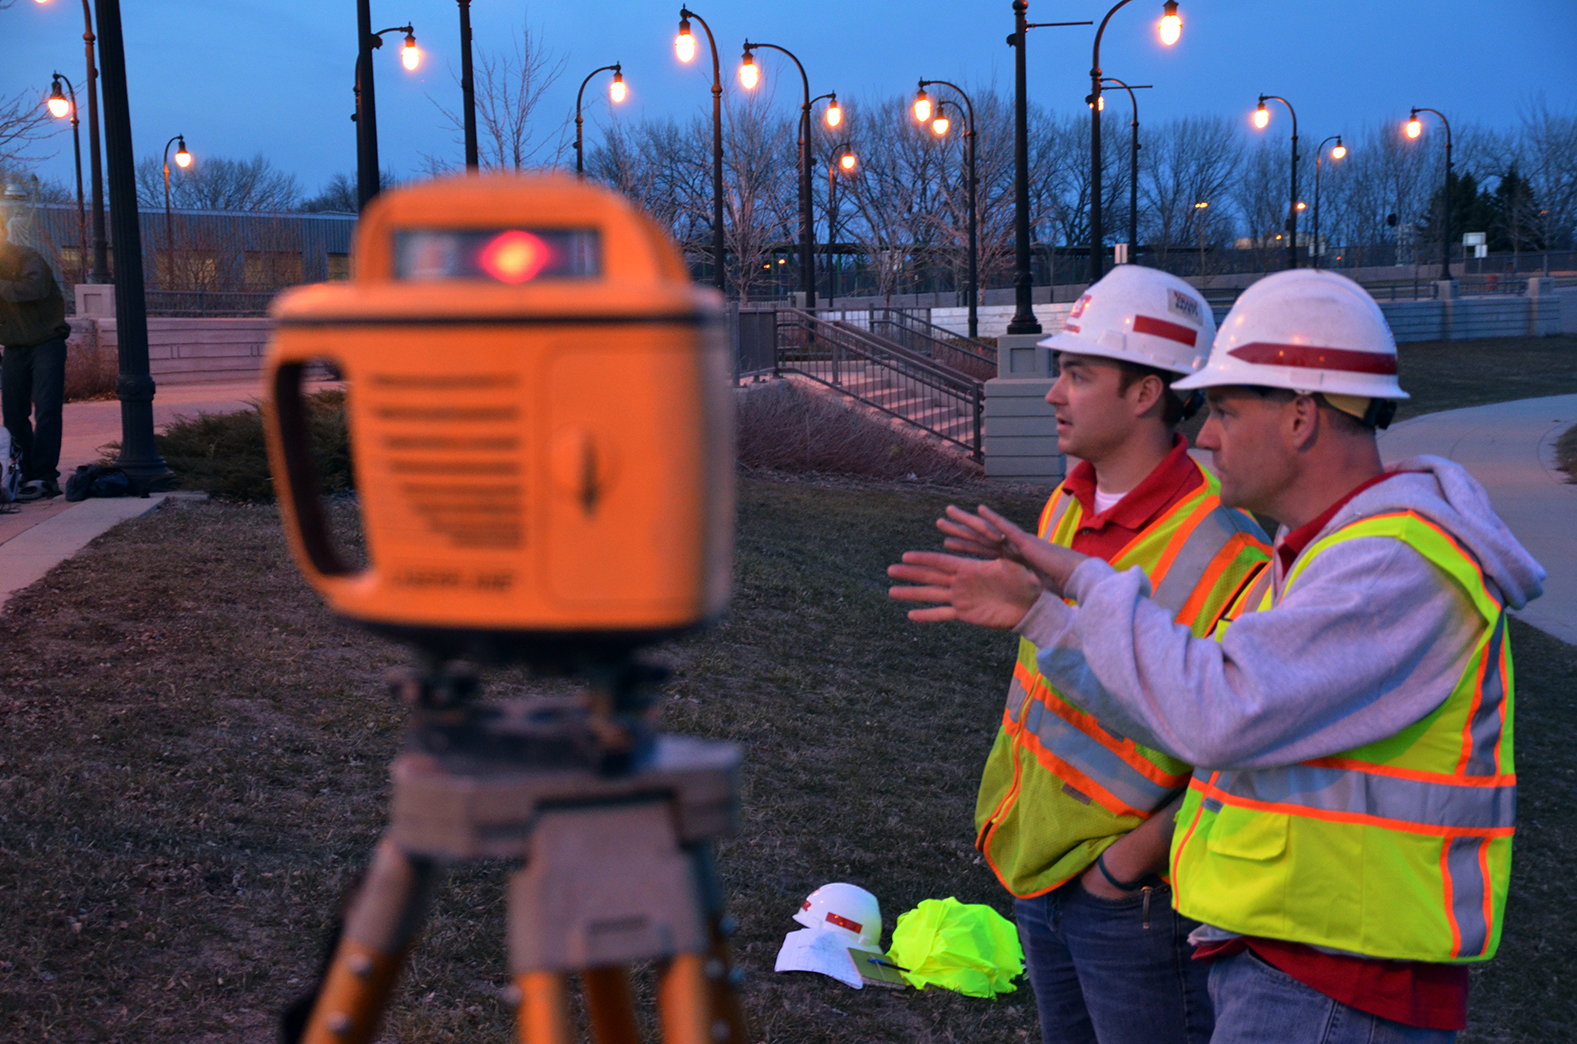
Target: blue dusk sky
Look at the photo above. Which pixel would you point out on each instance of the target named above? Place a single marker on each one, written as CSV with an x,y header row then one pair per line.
x,y
239,77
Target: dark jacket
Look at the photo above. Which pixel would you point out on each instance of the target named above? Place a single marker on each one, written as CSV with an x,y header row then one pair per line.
x,y
32,307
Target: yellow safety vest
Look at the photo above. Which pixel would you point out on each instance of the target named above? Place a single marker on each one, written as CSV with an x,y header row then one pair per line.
x,y
1058,787
1398,849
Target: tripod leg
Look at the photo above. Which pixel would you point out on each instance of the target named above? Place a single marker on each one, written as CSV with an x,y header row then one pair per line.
x,y
683,1002
610,1005
544,1008
379,930
722,980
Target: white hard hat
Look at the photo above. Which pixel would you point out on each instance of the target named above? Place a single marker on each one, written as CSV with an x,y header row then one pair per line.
x,y
1307,331
845,908
1139,315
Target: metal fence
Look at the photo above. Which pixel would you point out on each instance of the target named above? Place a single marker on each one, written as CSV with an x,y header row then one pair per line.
x,y
208,302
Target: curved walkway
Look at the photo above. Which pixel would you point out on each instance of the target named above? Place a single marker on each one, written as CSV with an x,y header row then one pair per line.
x,y
1510,448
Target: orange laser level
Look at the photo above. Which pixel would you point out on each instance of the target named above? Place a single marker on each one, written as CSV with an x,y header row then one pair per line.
x,y
541,435
540,417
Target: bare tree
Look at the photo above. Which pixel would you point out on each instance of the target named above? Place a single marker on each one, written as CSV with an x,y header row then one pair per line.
x,y
509,88
1548,158
24,123
1185,162
215,183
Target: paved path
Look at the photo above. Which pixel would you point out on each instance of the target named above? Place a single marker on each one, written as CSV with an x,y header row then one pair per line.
x,y
41,534
1510,448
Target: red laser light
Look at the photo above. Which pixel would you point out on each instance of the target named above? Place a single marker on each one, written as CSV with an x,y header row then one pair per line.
x,y
515,256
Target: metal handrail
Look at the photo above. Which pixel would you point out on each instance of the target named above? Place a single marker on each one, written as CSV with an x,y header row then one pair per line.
x,y
921,390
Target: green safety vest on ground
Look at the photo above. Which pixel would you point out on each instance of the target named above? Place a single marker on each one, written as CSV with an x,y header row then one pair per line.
x,y
1398,849
1058,787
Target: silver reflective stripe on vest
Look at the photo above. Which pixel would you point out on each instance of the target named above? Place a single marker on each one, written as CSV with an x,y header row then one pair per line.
x,y
1016,697
1400,801
1199,550
1485,729
1468,888
1065,502
1095,761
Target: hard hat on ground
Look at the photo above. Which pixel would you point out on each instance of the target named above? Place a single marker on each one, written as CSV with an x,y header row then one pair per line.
x,y
1307,331
1142,316
844,908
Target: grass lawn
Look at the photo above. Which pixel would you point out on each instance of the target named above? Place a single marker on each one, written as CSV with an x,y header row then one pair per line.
x,y
1448,375
193,765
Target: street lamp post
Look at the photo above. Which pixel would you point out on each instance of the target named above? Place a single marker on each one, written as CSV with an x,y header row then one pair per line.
x,y
467,88
368,176
615,91
1261,120
1337,153
684,47
1414,128
58,107
1199,223
835,163
1170,28
1133,165
183,159
1023,321
807,231
139,454
974,228
101,264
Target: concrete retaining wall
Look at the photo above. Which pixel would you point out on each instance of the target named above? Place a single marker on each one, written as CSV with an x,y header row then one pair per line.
x,y
1455,319
191,351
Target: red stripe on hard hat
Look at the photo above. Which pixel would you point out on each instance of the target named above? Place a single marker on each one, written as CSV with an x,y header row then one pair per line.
x,y
1161,328
1309,357
844,922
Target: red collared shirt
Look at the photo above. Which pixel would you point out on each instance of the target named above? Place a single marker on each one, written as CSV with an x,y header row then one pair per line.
x,y
1104,535
1414,993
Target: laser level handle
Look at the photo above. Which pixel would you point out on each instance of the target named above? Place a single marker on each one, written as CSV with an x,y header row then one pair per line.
x,y
290,456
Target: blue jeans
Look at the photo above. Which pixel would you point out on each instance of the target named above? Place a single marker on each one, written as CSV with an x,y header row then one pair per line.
x,y
1258,1004
1113,971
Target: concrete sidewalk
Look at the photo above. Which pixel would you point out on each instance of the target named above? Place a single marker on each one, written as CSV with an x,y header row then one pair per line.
x,y
1510,448
39,535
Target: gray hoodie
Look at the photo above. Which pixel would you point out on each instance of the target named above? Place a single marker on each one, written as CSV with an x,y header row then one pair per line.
x,y
1370,639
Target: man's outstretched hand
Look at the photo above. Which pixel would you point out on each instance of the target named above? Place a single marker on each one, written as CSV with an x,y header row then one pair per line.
x,y
995,592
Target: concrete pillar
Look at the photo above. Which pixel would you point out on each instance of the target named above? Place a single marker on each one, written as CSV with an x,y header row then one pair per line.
x,y
1021,429
1446,294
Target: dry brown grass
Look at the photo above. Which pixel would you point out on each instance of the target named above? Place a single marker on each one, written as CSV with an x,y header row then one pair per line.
x,y
784,427
193,767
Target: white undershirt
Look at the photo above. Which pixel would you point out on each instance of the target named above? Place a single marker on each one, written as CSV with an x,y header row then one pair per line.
x,y
1105,501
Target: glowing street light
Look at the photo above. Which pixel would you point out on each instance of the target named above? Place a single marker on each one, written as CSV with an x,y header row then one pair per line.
x,y
684,43
410,57
183,159
1414,127
616,92
834,115
1337,153
59,107
1171,24
922,106
1170,28
842,161
940,122
684,49
939,126
1261,120
749,75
